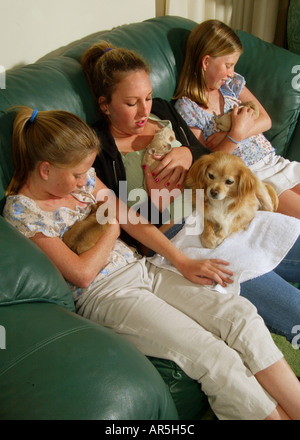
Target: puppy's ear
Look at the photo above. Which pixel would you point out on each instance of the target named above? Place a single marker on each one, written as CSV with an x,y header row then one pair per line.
x,y
247,182
195,178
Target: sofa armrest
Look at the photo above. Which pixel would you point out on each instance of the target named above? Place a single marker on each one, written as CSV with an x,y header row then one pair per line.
x,y
60,366
27,274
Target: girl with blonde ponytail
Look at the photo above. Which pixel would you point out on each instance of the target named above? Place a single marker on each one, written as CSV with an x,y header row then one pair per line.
x,y
57,137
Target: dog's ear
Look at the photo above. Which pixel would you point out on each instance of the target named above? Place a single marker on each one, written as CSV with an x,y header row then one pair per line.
x,y
267,197
195,178
247,182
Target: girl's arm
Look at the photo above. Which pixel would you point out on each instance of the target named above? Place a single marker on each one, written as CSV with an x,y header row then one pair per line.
x,y
263,122
82,269
243,125
197,271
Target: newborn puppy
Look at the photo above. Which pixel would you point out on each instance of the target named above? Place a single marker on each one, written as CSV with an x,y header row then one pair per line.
x,y
223,122
85,233
232,195
160,146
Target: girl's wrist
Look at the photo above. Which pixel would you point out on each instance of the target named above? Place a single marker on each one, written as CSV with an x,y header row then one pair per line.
x,y
232,138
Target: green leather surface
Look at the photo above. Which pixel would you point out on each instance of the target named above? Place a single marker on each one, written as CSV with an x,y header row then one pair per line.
x,y
27,274
57,365
268,72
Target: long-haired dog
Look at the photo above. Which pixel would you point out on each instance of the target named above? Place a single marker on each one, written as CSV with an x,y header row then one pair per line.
x,y
232,195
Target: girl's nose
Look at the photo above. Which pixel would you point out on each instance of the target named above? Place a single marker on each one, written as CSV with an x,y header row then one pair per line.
x,y
231,72
142,110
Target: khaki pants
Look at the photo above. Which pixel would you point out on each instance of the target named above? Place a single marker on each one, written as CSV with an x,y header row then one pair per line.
x,y
218,340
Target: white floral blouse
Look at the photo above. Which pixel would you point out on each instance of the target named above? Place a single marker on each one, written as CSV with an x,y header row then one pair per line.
x,y
252,149
26,216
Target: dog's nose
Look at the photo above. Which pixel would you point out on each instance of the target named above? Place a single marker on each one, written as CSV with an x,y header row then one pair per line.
x,y
214,193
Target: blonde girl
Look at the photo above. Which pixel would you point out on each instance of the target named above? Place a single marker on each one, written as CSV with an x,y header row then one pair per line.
x,y
208,86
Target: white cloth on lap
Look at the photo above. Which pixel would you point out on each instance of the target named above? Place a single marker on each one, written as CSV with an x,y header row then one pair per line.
x,y
252,252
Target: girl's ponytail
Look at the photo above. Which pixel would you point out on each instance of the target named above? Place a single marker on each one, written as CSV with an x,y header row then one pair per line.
x,y
19,150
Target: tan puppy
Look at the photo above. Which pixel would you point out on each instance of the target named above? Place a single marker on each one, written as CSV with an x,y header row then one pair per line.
x,y
160,146
85,233
224,122
232,195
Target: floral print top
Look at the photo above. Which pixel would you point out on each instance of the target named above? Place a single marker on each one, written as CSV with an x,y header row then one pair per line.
x,y
26,216
252,149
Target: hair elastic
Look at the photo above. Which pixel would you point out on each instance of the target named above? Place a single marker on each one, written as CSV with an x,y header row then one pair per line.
x,y
106,50
34,113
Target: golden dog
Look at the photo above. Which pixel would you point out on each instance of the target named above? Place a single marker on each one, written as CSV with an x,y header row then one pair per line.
x,y
85,233
232,195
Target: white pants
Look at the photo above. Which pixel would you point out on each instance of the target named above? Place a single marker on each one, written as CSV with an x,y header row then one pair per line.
x,y
281,173
218,340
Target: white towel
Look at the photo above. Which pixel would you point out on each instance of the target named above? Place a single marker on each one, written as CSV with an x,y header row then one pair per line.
x,y
251,252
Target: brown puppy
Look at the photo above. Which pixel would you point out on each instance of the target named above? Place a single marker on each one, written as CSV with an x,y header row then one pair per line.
x,y
84,234
232,195
223,122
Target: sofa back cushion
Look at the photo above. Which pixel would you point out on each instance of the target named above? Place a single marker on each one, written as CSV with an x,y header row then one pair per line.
x,y
272,75
58,82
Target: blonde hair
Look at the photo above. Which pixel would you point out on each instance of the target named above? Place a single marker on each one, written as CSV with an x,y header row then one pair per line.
x,y
55,136
213,38
105,65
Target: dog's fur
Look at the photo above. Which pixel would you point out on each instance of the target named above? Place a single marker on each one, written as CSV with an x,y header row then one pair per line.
x,y
223,122
160,145
232,195
85,233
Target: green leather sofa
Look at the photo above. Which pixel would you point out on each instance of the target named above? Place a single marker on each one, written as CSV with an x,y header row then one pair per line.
x,y
53,363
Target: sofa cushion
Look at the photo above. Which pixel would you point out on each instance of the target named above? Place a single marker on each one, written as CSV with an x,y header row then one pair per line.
x,y
270,76
32,276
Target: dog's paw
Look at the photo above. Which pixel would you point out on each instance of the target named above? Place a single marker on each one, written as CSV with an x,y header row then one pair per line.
x,y
209,242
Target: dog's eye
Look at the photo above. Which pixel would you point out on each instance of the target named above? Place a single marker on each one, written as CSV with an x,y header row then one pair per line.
x,y
211,176
229,182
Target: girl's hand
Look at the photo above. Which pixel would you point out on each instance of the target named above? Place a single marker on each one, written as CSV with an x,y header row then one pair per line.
x,y
173,167
161,199
242,123
206,272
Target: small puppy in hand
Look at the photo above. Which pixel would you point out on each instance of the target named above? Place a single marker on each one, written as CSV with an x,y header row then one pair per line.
x,y
160,146
223,122
232,195
85,233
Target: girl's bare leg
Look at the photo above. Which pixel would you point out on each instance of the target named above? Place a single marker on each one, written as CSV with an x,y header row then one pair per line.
x,y
289,202
282,384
